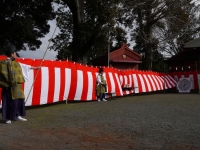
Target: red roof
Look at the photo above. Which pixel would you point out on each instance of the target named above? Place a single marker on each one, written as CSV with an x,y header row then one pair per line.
x,y
123,55
125,48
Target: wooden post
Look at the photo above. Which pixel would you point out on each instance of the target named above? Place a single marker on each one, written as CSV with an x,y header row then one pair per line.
x,y
197,76
164,78
108,49
199,89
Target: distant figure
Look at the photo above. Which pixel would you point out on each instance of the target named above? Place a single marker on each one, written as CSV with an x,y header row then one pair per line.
x,y
101,86
12,75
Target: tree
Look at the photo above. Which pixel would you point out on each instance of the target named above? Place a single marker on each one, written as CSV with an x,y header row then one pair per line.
x,y
119,37
181,27
83,23
160,25
143,18
23,23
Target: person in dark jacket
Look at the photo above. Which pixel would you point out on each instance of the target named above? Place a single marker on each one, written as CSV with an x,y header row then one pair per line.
x,y
11,79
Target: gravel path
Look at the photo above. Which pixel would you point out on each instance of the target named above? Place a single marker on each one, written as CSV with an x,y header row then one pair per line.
x,y
145,122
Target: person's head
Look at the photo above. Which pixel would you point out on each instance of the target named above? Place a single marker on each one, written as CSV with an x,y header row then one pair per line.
x,y
10,50
100,70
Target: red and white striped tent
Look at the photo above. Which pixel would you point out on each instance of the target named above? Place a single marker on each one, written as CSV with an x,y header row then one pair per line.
x,y
64,80
193,75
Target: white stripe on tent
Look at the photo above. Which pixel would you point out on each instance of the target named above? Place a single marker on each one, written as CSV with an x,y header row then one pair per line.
x,y
172,80
142,82
118,83
126,82
147,81
160,82
112,82
120,79
57,85
96,78
27,87
192,78
167,85
151,80
79,87
125,79
130,82
90,86
104,75
135,83
156,82
170,85
198,77
44,85
67,83
176,78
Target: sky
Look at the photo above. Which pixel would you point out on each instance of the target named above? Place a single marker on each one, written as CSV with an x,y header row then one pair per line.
x,y
51,54
39,53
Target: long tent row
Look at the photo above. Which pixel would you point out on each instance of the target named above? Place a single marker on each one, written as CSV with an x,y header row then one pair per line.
x,y
64,80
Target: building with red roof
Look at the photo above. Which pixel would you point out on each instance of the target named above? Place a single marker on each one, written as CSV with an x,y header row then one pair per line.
x,y
186,60
122,58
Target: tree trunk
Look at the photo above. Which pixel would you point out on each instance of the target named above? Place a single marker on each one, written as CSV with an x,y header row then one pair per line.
x,y
77,8
2,52
80,47
2,27
148,51
147,60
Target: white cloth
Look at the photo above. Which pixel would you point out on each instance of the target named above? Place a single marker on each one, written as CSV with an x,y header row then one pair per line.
x,y
99,79
25,71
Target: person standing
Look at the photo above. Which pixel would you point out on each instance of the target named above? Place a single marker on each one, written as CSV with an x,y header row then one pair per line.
x,y
101,86
12,75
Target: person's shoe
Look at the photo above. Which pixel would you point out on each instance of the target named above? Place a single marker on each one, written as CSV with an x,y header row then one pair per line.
x,y
8,121
104,100
21,119
99,100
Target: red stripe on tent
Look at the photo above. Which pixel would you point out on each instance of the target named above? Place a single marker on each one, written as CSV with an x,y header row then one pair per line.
x,y
150,82
133,84
85,83
154,82
130,83
94,70
51,85
0,96
23,86
167,85
121,79
62,83
159,82
170,83
73,85
125,82
173,81
117,88
108,82
139,84
145,83
37,88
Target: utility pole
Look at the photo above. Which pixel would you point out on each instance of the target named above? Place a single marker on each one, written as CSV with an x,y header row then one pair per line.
x,y
108,48
164,78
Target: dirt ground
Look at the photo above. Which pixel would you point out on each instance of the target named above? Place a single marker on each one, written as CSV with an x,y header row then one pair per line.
x,y
144,122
